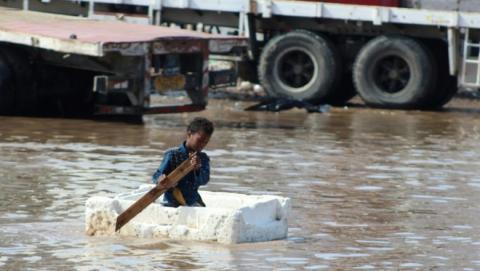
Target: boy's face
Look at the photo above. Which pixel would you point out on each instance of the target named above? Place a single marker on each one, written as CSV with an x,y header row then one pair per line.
x,y
197,141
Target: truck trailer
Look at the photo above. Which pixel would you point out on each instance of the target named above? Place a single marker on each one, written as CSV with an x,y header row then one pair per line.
x,y
406,54
75,66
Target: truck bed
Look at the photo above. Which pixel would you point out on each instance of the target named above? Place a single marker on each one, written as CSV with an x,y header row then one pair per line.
x,y
418,13
375,14
91,37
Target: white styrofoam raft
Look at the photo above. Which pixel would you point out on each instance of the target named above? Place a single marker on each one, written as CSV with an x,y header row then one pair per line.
x,y
228,218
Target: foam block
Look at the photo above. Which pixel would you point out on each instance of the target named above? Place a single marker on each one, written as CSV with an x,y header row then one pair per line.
x,y
229,218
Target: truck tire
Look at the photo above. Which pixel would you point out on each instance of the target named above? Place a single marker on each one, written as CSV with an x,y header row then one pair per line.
x,y
7,94
300,65
446,91
394,72
344,92
447,85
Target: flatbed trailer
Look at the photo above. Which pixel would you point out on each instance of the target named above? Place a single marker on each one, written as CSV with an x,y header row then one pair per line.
x,y
78,66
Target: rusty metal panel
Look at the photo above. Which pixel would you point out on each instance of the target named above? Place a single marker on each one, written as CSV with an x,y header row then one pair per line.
x,y
178,46
126,48
226,45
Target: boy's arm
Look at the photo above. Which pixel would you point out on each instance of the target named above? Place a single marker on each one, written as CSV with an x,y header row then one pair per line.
x,y
164,168
203,173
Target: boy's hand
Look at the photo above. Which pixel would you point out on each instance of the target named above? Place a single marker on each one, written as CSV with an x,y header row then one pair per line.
x,y
195,161
162,179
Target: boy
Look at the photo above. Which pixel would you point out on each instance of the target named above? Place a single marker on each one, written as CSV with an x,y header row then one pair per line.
x,y
199,132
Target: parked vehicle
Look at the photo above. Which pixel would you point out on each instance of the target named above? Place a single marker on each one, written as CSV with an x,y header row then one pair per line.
x,y
78,66
409,54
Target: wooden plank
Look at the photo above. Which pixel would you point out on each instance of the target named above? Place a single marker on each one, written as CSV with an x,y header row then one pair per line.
x,y
168,182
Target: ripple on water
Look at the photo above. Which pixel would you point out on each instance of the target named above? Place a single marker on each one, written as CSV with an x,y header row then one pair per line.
x,y
288,260
475,185
336,256
442,187
411,265
437,199
441,258
462,227
364,267
236,169
3,260
340,225
317,267
368,188
380,242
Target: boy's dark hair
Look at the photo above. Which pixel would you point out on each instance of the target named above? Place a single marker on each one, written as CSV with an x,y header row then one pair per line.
x,y
200,124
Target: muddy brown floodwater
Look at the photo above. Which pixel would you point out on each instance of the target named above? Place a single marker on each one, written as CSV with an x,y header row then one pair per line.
x,y
371,189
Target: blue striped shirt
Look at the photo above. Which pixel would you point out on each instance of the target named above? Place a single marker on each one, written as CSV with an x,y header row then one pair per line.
x,y
191,182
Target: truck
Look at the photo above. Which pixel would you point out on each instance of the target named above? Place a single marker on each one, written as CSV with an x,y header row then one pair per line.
x,y
399,54
74,66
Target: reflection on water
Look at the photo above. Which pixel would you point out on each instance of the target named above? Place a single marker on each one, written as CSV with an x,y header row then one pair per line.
x,y
371,189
